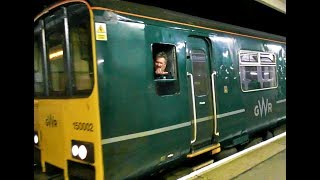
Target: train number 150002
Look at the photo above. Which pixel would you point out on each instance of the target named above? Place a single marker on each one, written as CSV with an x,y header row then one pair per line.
x,y
83,126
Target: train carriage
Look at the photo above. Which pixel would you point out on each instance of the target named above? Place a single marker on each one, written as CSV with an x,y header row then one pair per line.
x,y
99,112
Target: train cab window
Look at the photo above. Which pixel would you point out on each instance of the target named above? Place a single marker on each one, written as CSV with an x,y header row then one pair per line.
x,y
63,63
38,72
54,26
257,70
165,69
81,53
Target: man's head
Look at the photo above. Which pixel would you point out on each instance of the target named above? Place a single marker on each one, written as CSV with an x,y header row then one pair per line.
x,y
161,60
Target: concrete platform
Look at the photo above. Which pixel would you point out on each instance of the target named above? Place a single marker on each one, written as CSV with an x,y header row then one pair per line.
x,y
267,162
273,168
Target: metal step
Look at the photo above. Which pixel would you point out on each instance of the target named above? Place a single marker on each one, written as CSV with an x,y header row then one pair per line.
x,y
215,148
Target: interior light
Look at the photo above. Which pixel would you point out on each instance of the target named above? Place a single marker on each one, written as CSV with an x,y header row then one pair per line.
x,y
55,55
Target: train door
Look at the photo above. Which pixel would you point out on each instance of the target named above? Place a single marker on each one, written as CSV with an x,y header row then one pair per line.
x,y
201,83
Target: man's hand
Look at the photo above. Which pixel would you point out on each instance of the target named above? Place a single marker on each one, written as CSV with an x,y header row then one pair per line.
x,y
159,71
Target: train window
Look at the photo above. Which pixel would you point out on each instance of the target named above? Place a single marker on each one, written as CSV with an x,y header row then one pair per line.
x,y
283,67
259,73
79,24
63,64
166,83
268,76
267,58
199,66
38,73
55,40
249,57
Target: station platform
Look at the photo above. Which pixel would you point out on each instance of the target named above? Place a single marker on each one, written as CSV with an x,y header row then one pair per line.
x,y
273,168
267,162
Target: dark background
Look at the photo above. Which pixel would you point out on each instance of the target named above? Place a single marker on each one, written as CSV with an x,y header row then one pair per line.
x,y
244,13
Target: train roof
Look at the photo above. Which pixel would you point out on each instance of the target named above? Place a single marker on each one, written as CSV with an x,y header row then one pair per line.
x,y
174,17
181,18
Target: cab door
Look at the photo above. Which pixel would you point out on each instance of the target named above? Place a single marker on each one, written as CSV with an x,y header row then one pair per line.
x,y
199,75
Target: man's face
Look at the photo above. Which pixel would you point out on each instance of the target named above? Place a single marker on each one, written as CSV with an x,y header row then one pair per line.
x,y
160,63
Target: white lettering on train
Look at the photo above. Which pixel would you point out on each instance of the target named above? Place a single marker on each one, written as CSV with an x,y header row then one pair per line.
x,y
262,107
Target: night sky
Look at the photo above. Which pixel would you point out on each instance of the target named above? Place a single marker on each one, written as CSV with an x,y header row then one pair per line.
x,y
244,13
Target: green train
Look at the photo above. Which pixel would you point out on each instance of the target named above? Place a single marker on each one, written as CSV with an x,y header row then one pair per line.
x,y
99,111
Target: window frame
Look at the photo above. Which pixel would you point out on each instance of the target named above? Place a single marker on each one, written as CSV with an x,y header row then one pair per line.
x,y
162,84
258,66
71,89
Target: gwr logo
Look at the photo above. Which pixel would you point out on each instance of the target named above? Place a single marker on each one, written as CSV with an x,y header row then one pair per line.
x,y
51,122
262,107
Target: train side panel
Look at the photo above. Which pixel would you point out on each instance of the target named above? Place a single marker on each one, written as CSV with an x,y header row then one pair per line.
x,y
132,122
242,113
140,129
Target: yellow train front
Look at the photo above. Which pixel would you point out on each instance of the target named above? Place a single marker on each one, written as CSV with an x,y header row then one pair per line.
x,y
99,112
67,120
